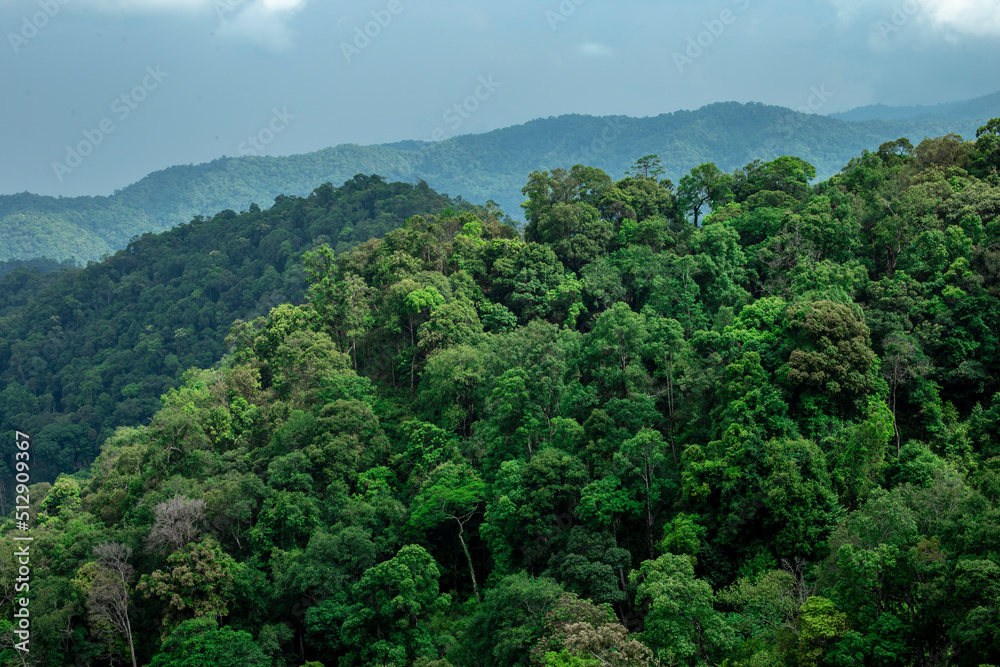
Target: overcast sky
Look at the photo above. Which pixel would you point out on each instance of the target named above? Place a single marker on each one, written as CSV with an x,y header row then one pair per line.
x,y
98,93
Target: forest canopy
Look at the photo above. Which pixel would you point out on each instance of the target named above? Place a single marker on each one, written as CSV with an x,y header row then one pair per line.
x,y
744,419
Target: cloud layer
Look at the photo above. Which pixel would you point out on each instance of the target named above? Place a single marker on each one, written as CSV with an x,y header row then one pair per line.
x,y
979,18
261,22
976,18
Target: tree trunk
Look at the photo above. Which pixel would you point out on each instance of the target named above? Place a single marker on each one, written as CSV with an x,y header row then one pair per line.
x,y
895,426
649,513
128,635
468,557
670,406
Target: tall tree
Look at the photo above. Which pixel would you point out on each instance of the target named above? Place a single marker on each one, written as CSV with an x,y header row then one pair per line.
x,y
706,185
452,493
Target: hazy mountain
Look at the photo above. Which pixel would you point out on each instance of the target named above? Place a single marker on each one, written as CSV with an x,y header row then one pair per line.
x,y
978,108
479,167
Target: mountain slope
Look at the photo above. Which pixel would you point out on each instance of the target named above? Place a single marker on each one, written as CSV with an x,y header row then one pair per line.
x,y
980,107
85,350
480,167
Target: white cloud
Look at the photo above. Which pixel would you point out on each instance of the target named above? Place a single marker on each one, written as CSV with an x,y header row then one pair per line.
x,y
145,6
979,18
262,22
595,49
848,10
976,18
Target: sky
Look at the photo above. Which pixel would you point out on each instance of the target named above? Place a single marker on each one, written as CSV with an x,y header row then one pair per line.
x,y
98,93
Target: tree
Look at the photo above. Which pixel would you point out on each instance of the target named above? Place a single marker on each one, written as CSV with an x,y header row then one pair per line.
x,y
584,633
562,212
200,641
644,457
682,624
786,174
344,304
531,510
803,507
108,590
395,598
705,185
831,361
197,581
820,623
768,605
648,166
452,493
616,345
874,553
594,567
511,620
175,523
666,346
902,362
987,155
899,150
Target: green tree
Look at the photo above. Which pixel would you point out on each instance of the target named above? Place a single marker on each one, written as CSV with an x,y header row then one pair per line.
x,y
644,459
820,624
682,625
987,155
648,166
511,620
562,211
800,501
197,582
453,492
200,641
395,598
706,185
616,345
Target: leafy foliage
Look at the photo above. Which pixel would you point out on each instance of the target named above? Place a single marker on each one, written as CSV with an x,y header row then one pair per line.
x,y
768,438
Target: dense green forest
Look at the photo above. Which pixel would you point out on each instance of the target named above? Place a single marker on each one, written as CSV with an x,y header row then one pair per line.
x,y
482,167
86,350
43,264
739,420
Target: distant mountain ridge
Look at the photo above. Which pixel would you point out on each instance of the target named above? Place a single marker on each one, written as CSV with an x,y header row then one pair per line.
x,y
478,167
980,107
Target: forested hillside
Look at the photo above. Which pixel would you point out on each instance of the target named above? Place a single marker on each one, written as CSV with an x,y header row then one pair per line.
x,y
483,167
742,421
86,350
954,112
